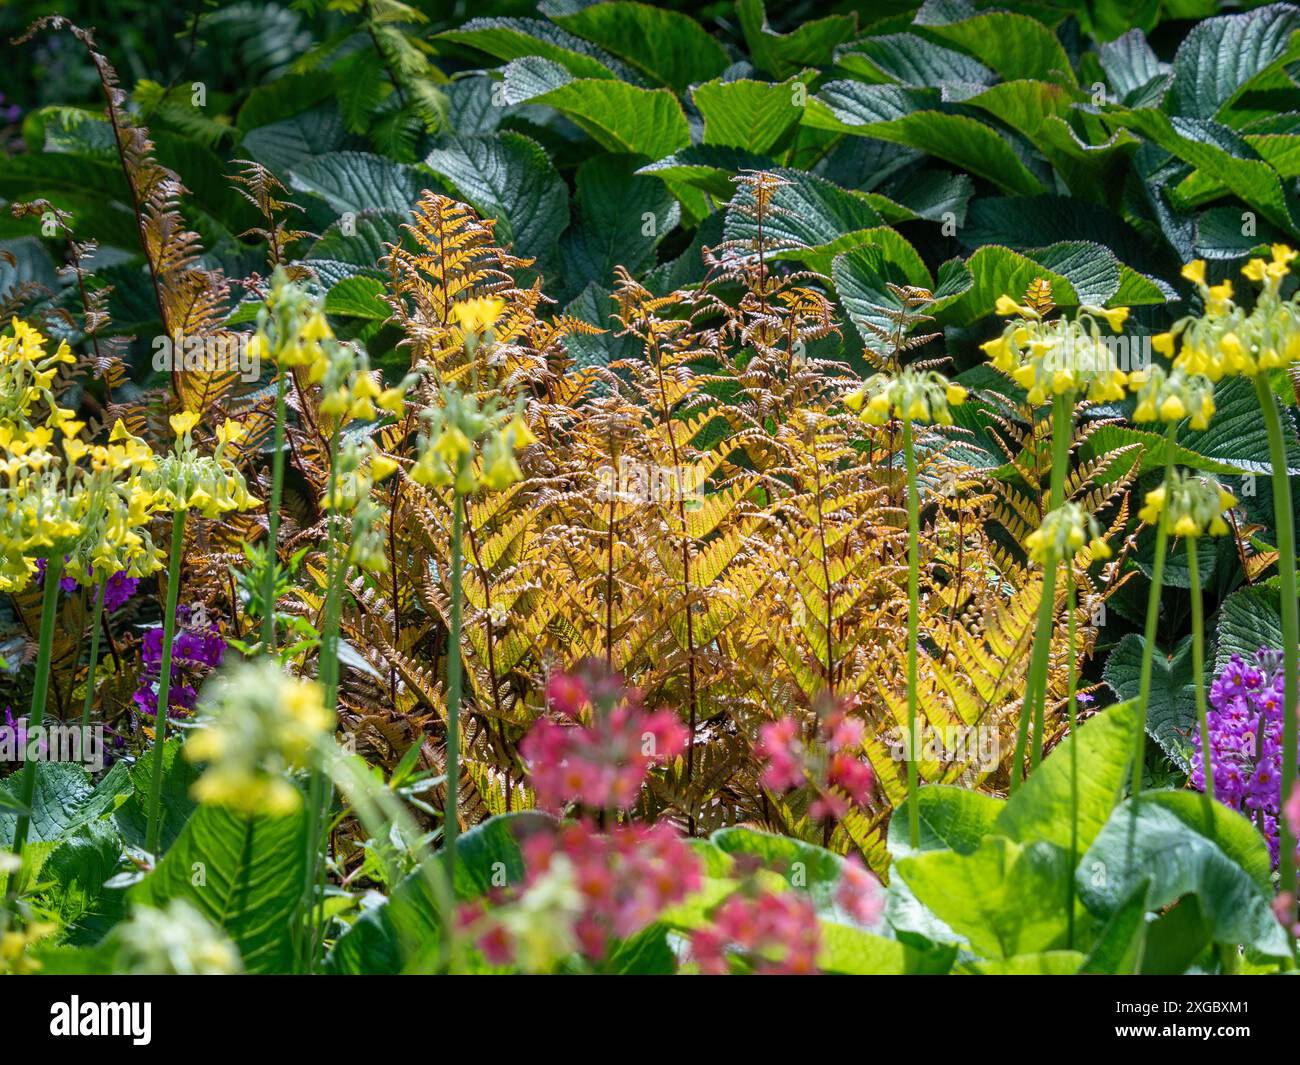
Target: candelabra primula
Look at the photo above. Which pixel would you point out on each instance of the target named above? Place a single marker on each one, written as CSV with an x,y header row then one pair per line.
x,y
1059,359
1227,340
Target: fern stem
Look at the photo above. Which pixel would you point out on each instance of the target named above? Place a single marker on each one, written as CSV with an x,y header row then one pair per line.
x,y
273,517
1034,704
97,619
1152,618
36,715
451,816
1286,569
165,681
1071,695
913,611
1198,678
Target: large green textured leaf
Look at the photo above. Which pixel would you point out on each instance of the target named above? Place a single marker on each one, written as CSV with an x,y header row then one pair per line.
x,y
511,38
619,219
62,792
1171,709
951,817
244,874
1041,807
1004,898
508,177
1223,155
358,297
1249,619
1016,46
1147,839
810,44
813,221
752,115
910,60
289,142
879,111
359,181
1220,57
967,291
861,277
618,116
77,870
667,46
708,167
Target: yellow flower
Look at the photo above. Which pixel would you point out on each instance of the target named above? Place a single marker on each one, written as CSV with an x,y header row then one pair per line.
x,y
1195,271
382,467
230,432
183,422
478,315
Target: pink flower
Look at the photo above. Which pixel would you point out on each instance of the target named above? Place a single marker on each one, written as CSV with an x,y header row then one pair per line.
x,y
835,769
859,893
600,766
778,932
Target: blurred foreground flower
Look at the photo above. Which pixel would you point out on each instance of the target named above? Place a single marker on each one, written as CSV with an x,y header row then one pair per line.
x,y
257,724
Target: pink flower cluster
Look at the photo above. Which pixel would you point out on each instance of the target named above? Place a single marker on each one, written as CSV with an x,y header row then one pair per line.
x,y
625,878
833,767
777,931
600,765
858,893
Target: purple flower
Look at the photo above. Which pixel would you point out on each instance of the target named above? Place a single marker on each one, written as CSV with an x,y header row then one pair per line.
x,y
1245,728
118,589
197,648
18,729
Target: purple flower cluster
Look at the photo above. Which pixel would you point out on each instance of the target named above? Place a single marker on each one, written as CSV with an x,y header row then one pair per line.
x,y
1245,720
117,589
197,648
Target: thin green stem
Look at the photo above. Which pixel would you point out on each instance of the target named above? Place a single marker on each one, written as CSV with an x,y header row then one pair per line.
x,y
36,715
319,790
450,816
1152,619
1033,706
96,622
1286,569
913,612
1071,695
165,681
273,515
1198,678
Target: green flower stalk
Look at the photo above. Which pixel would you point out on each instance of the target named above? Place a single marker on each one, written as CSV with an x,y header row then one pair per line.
x,y
1059,359
911,396
36,715
186,480
1226,340
1169,397
1072,702
466,446
96,622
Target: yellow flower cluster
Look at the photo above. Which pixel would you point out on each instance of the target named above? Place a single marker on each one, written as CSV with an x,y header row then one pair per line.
x,y
1064,532
176,940
186,479
27,375
256,725
1061,356
1226,340
469,446
90,503
293,333
1194,505
1171,396
912,395
358,466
